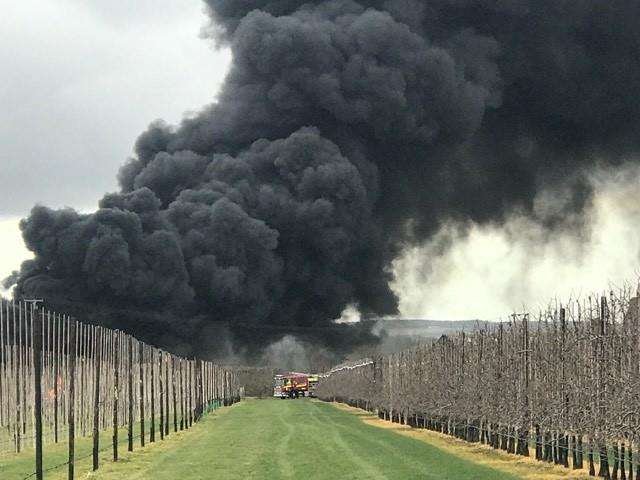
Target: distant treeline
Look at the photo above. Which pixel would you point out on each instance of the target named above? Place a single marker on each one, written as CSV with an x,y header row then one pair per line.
x,y
257,381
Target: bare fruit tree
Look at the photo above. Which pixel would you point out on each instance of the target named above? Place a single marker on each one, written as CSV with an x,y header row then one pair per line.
x,y
563,382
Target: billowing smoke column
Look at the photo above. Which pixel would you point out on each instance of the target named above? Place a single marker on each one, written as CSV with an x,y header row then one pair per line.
x,y
345,131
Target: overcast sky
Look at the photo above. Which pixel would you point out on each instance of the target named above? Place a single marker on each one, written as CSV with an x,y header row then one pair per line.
x,y
82,79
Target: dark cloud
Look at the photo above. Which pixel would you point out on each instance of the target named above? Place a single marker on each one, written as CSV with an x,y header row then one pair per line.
x,y
345,131
11,280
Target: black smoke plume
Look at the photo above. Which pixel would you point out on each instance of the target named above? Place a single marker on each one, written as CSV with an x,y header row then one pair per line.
x,y
345,131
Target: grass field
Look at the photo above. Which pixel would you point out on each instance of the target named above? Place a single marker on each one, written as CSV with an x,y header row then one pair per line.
x,y
526,468
18,466
278,439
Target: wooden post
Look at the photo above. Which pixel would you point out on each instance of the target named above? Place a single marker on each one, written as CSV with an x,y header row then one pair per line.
x,y
82,351
182,423
116,392
199,393
161,396
17,342
523,439
65,369
25,369
190,391
97,359
204,375
3,364
166,397
175,401
37,391
152,428
56,373
604,461
130,372
565,395
141,362
72,391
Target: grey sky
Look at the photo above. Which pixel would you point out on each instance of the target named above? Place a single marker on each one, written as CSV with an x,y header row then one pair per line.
x,y
81,79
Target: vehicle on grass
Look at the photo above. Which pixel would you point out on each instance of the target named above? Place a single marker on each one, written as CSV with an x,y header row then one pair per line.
x,y
294,385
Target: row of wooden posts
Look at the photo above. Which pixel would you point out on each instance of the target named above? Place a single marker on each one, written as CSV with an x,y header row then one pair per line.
x,y
566,379
62,378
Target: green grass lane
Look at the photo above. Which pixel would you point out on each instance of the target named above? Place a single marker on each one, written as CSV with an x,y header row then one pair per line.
x,y
285,439
18,466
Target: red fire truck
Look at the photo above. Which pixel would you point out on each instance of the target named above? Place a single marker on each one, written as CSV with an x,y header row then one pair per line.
x,y
291,385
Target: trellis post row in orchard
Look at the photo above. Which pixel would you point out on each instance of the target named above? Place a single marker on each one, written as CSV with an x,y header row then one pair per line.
x,y
565,380
60,378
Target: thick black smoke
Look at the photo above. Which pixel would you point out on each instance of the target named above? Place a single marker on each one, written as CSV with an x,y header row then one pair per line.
x,y
345,131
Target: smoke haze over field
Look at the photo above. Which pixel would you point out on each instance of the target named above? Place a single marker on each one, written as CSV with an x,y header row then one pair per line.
x,y
346,133
489,271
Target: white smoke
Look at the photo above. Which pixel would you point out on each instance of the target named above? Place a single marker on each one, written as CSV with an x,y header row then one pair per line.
x,y
491,271
12,250
349,315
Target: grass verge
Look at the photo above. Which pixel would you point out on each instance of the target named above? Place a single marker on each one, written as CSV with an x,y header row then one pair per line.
x,y
522,467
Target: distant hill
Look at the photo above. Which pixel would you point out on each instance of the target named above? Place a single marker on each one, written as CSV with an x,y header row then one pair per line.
x,y
402,333
421,327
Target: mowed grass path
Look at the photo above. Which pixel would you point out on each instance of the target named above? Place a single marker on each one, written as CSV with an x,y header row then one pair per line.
x,y
287,439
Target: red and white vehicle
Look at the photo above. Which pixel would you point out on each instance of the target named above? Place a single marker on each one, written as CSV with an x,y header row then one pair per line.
x,y
291,385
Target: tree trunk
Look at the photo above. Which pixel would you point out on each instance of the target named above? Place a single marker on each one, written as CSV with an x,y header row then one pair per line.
x,y
604,462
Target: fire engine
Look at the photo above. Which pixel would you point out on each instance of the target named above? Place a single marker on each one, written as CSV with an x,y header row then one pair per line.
x,y
294,385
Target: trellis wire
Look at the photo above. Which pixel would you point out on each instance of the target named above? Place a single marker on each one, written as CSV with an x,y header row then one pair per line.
x,y
112,387
564,380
